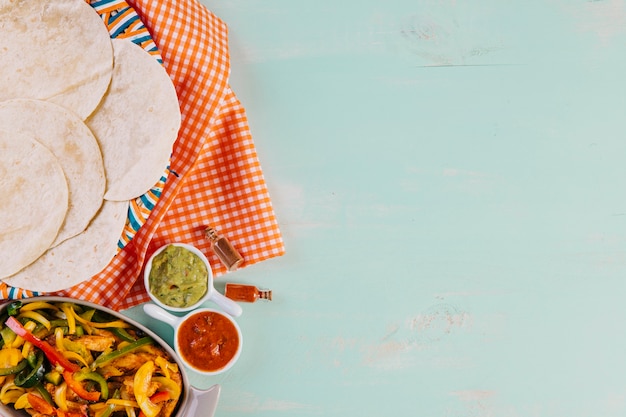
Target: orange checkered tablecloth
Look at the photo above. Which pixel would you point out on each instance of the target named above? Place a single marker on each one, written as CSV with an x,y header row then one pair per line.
x,y
215,178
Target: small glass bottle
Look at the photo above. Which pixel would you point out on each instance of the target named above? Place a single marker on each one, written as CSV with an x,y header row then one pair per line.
x,y
227,254
246,293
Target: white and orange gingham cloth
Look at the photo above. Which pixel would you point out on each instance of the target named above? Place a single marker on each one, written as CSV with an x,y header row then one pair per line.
x,y
216,179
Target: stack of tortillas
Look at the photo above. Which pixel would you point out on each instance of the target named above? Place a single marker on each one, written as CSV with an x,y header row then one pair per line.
x,y
87,123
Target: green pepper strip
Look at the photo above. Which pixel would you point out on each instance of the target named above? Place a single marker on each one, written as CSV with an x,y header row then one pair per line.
x,y
13,369
96,377
14,308
45,394
29,377
8,335
111,407
78,388
122,334
108,357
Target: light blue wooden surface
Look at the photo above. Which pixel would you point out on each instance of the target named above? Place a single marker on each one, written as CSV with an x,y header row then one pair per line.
x,y
449,179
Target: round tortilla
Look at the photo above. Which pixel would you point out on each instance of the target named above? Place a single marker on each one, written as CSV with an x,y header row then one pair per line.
x,y
137,122
79,258
54,50
33,200
73,144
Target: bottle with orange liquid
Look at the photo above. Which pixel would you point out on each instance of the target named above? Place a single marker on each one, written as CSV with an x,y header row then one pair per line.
x,y
246,293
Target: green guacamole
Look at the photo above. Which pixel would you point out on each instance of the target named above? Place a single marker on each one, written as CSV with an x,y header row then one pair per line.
x,y
178,277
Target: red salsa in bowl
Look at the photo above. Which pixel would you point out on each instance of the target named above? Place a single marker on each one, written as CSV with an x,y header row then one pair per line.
x,y
208,341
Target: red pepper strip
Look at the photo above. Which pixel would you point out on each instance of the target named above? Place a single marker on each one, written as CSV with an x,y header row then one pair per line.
x,y
157,398
43,407
78,389
53,355
39,404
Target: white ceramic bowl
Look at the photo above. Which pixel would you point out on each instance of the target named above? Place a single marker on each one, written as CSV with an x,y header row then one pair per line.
x,y
226,304
176,322
194,402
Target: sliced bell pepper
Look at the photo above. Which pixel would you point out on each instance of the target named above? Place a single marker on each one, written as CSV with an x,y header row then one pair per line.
x,y
156,398
39,305
54,356
123,403
14,369
96,325
8,336
60,396
141,385
38,317
40,405
33,373
78,348
54,377
44,394
78,388
22,401
14,308
165,366
167,384
11,360
19,341
110,407
69,315
122,334
95,377
108,357
73,355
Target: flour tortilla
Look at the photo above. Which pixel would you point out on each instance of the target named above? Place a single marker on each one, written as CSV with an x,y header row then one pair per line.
x,y
137,122
73,144
79,258
54,50
33,200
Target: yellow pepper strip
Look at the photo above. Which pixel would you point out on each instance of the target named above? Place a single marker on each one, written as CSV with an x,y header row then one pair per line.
x,y
26,349
19,341
97,407
58,337
162,363
22,402
70,317
39,305
35,316
115,323
100,409
166,366
123,403
74,356
141,385
79,348
167,384
60,396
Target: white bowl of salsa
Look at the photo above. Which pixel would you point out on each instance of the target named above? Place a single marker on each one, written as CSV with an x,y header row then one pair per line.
x,y
178,277
206,340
